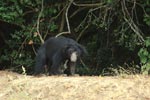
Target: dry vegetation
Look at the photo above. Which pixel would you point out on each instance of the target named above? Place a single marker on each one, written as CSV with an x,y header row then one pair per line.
x,y
19,87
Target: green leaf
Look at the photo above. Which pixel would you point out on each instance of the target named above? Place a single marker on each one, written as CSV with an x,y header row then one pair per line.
x,y
147,19
144,59
147,42
109,1
145,69
54,11
145,53
148,61
53,27
140,53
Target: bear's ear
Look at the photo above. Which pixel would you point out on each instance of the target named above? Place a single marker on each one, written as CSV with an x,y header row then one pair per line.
x,y
82,49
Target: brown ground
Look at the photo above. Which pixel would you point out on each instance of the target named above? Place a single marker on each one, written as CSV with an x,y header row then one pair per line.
x,y
20,87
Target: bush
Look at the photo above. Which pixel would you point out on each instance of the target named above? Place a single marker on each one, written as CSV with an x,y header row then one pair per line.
x,y
144,54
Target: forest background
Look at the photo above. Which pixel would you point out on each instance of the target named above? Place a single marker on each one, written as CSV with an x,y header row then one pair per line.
x,y
114,32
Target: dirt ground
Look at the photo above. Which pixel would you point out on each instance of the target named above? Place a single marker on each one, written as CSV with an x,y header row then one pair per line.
x,y
14,86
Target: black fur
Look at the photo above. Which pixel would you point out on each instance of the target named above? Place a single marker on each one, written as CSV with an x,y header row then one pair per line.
x,y
55,52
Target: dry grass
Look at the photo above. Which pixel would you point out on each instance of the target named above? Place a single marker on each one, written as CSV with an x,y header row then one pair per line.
x,y
18,87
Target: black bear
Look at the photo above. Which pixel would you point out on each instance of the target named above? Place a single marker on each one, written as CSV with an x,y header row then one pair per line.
x,y
56,52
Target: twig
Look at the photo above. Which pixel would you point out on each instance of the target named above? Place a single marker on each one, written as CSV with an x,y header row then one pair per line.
x,y
38,23
135,12
81,24
34,50
129,20
81,33
82,62
78,10
140,6
44,37
28,12
87,5
20,48
55,17
89,12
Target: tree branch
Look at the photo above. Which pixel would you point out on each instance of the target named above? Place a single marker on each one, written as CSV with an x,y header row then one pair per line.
x,y
38,23
67,21
62,22
129,20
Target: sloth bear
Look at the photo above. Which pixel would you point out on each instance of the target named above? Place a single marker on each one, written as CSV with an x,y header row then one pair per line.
x,y
58,54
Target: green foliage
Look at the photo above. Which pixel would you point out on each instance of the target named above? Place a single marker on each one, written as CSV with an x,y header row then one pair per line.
x,y
18,54
50,11
145,69
147,20
109,1
144,54
10,11
53,27
146,16
110,31
126,38
23,43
